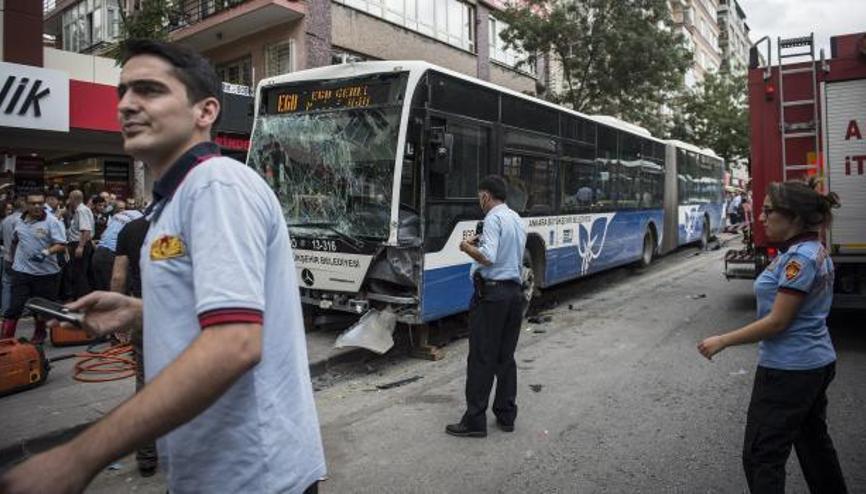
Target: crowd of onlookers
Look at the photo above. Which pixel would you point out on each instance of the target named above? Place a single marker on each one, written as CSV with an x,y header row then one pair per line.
x,y
58,245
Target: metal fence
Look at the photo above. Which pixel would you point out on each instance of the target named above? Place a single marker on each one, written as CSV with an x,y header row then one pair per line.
x,y
188,12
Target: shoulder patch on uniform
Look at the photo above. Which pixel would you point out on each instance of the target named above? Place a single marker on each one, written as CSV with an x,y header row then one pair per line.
x,y
167,247
792,270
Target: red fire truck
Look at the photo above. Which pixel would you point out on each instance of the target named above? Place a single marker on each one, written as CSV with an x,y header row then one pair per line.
x,y
808,117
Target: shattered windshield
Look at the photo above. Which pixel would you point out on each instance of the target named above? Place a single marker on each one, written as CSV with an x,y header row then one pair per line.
x,y
331,168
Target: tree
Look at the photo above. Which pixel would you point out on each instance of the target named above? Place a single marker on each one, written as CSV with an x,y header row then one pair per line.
x,y
715,115
618,57
144,19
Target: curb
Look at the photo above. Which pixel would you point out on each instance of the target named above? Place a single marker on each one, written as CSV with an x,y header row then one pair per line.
x,y
12,454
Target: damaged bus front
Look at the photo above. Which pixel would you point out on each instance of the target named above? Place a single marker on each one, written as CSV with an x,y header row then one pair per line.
x,y
327,142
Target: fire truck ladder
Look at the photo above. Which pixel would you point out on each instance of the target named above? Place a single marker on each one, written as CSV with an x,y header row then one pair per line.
x,y
790,48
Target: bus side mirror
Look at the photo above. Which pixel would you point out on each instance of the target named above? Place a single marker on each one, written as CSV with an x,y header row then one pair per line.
x,y
442,144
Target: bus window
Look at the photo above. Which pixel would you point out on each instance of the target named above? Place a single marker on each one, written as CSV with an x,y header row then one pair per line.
x,y
628,176
692,176
578,186
531,184
518,192
682,172
577,171
469,158
606,168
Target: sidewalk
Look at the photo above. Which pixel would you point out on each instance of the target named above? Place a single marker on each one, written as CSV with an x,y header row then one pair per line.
x,y
39,418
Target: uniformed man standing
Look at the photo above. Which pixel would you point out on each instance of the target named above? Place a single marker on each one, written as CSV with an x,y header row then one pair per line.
x,y
228,389
495,313
37,239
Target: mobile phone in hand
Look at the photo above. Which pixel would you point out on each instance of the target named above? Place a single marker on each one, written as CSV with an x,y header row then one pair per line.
x,y
53,310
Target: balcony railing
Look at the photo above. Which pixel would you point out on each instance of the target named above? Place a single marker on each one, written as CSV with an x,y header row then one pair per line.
x,y
192,11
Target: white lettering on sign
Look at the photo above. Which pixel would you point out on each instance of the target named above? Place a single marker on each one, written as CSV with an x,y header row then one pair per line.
x,y
33,97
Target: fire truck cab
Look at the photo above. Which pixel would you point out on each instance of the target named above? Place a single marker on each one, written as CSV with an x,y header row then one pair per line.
x,y
808,117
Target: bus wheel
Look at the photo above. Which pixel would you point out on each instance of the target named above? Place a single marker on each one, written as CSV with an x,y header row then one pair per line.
x,y
646,256
527,277
705,235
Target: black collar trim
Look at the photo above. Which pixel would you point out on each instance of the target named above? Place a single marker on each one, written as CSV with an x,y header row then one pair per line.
x,y
173,177
796,239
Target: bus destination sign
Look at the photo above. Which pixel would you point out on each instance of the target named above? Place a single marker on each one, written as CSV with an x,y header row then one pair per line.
x,y
309,99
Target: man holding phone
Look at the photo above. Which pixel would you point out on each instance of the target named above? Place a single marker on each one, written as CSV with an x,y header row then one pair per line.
x,y
37,239
231,413
495,312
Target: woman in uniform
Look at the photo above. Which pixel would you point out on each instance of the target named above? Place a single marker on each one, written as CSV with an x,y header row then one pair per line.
x,y
796,359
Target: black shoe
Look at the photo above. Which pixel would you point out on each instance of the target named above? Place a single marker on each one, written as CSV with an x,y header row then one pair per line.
x,y
147,470
461,430
505,427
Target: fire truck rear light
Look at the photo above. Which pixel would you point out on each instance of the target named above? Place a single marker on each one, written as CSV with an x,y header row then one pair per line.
x,y
772,252
770,91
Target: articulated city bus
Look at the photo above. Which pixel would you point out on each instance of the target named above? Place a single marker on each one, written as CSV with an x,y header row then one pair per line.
x,y
377,165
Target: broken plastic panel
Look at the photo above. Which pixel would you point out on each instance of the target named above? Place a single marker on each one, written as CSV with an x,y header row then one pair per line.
x,y
374,331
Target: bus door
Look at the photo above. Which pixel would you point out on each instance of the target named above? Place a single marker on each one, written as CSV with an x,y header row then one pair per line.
x,y
459,151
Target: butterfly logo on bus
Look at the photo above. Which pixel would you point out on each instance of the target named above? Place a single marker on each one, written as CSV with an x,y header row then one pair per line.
x,y
691,220
590,241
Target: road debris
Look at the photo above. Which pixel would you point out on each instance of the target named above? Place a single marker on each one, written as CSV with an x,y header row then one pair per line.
x,y
698,296
540,319
741,372
536,387
401,382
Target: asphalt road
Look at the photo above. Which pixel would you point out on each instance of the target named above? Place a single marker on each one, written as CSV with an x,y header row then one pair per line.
x,y
624,402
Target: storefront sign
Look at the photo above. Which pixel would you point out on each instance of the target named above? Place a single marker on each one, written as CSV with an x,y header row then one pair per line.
x,y
33,97
29,175
117,178
235,143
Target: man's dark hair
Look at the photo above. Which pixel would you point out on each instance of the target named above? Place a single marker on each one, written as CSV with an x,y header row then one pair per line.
x,y
495,185
53,193
97,199
192,69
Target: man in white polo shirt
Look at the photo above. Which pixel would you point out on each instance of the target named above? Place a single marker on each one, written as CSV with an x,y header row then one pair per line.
x,y
228,385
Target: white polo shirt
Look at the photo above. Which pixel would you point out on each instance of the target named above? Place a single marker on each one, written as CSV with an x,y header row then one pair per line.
x,y
219,252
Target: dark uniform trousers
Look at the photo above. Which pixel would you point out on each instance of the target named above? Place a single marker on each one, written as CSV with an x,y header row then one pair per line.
x,y
102,266
789,408
26,286
494,326
76,279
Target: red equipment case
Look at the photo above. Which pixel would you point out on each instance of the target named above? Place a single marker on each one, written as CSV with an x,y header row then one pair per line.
x,y
22,366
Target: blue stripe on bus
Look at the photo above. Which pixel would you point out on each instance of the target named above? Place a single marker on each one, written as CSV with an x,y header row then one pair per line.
x,y
448,290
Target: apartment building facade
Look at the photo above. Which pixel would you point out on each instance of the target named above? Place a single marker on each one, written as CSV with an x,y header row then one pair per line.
x,y
733,36
697,20
248,40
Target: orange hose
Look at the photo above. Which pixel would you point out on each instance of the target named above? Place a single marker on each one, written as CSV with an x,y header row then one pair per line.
x,y
110,363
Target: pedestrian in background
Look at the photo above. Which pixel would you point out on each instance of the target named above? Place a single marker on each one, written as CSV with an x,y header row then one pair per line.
x,y
80,233
126,279
237,415
37,239
8,231
495,313
103,255
796,358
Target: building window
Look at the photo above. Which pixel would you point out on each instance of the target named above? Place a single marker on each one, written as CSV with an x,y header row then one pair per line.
x,y
236,72
279,58
508,56
90,23
450,21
